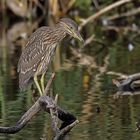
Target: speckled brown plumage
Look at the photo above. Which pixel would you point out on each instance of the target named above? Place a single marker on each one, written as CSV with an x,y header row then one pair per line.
x,y
39,50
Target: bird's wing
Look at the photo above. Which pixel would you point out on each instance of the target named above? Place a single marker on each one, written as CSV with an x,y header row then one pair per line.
x,y
29,61
32,54
30,57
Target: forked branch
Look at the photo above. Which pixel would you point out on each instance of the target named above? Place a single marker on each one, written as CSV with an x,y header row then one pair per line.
x,y
47,104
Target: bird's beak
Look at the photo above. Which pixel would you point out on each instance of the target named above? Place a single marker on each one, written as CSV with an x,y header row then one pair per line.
x,y
78,36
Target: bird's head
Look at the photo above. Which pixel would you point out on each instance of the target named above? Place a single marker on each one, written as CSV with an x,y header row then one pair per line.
x,y
71,28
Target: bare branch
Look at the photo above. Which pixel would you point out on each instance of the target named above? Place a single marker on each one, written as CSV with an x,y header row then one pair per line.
x,y
103,11
48,104
127,14
49,84
65,130
43,102
89,40
23,121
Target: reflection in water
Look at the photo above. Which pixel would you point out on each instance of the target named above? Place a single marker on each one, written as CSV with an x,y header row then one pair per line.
x,y
90,99
87,109
115,121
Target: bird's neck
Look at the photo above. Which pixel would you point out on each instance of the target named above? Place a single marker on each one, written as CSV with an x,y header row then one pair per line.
x,y
58,33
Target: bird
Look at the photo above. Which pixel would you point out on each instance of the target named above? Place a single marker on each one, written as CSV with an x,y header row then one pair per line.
x,y
40,49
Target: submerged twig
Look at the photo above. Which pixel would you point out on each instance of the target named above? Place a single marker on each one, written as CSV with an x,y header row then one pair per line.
x,y
121,75
128,84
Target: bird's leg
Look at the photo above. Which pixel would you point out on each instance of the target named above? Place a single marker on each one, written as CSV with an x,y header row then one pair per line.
x,y
42,82
37,84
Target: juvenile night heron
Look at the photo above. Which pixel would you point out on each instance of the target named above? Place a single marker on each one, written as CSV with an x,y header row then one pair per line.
x,y
40,49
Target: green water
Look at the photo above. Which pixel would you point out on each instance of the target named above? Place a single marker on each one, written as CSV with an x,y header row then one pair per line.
x,y
80,92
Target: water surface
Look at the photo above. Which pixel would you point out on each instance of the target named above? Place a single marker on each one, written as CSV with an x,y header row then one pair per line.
x,y
88,95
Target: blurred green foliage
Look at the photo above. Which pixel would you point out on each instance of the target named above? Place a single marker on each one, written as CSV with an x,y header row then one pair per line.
x,y
83,4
